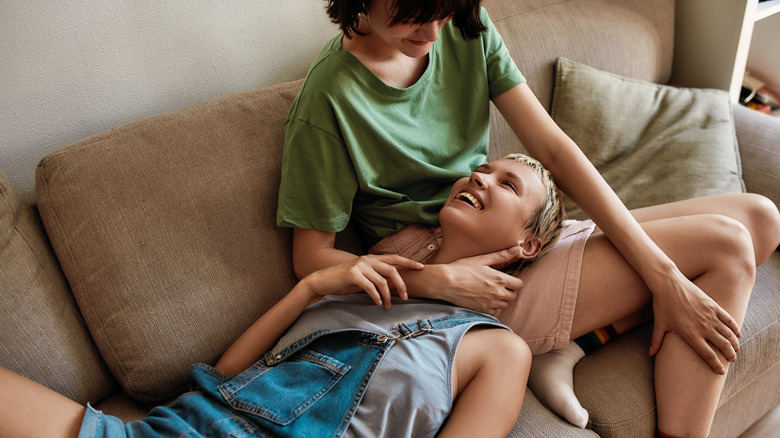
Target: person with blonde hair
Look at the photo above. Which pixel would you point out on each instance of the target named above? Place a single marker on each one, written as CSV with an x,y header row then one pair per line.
x,y
397,107
328,361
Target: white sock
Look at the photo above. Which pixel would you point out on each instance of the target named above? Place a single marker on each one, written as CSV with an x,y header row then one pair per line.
x,y
552,382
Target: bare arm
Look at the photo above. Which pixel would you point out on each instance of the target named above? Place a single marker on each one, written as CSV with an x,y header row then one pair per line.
x,y
469,282
263,334
375,275
675,298
314,250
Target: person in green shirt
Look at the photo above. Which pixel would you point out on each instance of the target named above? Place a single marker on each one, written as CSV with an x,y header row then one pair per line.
x,y
396,108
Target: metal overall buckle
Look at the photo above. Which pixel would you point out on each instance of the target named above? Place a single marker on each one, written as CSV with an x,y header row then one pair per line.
x,y
405,331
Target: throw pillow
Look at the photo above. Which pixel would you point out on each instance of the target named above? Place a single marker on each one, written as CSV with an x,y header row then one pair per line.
x,y
652,143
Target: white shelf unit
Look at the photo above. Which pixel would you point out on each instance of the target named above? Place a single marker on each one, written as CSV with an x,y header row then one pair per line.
x,y
716,40
764,56
767,9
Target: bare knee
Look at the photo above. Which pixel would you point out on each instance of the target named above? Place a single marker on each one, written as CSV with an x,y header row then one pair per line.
x,y
736,244
734,260
514,351
763,220
511,359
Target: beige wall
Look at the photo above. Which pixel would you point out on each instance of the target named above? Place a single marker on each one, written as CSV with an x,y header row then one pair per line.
x,y
73,68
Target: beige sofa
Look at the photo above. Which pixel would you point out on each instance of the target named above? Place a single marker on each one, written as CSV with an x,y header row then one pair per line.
x,y
153,245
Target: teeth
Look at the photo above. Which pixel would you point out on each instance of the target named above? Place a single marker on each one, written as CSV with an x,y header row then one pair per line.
x,y
468,197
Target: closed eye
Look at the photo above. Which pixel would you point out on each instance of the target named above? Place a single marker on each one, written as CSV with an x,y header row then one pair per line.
x,y
510,185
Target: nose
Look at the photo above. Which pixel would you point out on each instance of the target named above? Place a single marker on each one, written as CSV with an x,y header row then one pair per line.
x,y
477,179
430,30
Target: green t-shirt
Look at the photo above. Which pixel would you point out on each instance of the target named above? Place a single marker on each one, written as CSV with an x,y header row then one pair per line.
x,y
355,146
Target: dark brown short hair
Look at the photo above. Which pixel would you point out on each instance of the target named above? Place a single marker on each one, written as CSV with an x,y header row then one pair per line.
x,y
464,13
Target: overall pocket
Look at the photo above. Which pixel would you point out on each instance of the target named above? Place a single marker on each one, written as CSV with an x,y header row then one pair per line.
x,y
281,393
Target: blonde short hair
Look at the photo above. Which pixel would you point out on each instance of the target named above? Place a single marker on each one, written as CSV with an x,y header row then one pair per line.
x,y
546,222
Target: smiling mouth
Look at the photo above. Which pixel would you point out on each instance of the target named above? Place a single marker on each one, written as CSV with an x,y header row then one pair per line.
x,y
469,199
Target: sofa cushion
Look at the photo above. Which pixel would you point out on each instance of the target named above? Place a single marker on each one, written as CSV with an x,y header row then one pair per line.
x,y
538,31
652,143
43,335
166,231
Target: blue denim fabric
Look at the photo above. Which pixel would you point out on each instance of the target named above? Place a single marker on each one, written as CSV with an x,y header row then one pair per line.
x,y
310,389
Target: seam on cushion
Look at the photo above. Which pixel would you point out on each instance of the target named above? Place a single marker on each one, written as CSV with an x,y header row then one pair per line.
x,y
612,425
768,370
557,78
526,11
8,203
766,327
92,311
17,230
735,140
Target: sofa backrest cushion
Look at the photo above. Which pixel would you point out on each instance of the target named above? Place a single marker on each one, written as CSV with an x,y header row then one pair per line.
x,y
166,231
42,335
633,38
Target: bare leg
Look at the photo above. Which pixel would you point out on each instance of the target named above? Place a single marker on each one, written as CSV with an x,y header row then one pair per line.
x,y
551,376
28,409
757,213
489,387
716,252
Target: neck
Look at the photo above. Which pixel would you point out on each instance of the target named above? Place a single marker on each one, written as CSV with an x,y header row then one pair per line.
x,y
386,62
453,249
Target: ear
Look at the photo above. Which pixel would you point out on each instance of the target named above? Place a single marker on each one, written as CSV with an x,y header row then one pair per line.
x,y
529,247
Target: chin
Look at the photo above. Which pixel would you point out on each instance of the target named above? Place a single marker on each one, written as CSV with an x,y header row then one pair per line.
x,y
414,51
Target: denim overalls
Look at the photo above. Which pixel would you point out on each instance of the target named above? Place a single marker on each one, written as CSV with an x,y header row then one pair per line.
x,y
314,381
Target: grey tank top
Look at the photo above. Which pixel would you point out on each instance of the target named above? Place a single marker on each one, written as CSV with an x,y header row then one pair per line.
x,y
410,393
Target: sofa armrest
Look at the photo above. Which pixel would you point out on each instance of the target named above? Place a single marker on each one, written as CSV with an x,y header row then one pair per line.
x,y
759,146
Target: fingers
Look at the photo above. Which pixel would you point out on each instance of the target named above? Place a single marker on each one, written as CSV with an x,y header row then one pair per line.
x,y
376,286
501,296
726,341
378,275
499,259
656,340
733,340
725,338
706,345
731,323
708,354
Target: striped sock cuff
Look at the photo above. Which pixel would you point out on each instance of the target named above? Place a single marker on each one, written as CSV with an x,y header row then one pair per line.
x,y
595,339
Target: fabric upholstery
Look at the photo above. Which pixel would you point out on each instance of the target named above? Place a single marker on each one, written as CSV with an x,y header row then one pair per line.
x,y
538,31
537,421
759,144
165,229
652,143
43,335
